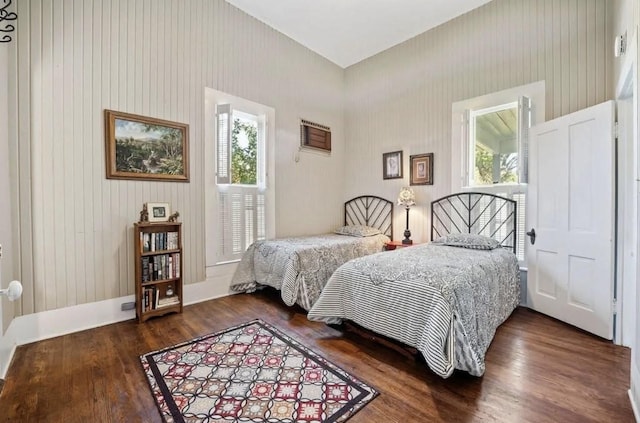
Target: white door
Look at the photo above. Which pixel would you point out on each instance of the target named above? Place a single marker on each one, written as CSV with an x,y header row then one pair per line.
x,y
571,208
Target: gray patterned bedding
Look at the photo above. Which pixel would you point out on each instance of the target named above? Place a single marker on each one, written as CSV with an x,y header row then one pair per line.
x,y
300,267
445,301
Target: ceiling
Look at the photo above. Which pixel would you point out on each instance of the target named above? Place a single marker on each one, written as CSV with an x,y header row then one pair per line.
x,y
498,131
348,31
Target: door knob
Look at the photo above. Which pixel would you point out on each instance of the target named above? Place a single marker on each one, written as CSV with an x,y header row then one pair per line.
x,y
532,235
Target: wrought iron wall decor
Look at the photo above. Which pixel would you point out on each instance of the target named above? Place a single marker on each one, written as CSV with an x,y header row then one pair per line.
x,y
5,27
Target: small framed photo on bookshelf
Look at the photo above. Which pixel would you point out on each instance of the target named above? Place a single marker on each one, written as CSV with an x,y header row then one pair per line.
x,y
158,212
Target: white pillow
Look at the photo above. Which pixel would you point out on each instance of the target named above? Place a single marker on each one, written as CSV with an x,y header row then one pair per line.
x,y
357,230
476,242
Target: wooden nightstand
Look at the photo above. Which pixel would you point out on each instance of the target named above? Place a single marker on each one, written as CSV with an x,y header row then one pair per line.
x,y
392,245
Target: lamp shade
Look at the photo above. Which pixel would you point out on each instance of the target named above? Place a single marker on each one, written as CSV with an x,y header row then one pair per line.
x,y
406,197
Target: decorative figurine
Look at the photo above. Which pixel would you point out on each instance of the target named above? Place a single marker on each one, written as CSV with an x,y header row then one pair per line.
x,y
174,217
144,213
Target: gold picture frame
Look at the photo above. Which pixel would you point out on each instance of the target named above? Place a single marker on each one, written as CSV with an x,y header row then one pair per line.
x,y
145,148
421,169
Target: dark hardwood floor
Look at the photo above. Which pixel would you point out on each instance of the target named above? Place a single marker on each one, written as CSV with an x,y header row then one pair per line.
x,y
538,370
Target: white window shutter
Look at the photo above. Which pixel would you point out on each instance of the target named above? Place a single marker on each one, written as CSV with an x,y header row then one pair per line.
x,y
261,230
241,221
237,226
521,204
241,208
225,125
467,143
224,234
262,154
249,219
524,123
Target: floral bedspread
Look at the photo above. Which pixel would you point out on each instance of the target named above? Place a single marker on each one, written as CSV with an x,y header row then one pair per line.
x,y
300,267
445,301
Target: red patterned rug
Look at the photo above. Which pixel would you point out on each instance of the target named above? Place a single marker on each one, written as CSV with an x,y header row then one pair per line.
x,y
251,373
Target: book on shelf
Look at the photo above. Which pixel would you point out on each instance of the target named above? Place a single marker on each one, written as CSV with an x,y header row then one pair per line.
x,y
145,269
146,302
144,242
167,301
172,241
159,267
158,241
151,299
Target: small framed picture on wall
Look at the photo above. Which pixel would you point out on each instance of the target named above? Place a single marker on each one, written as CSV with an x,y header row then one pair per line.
x,y
421,169
392,165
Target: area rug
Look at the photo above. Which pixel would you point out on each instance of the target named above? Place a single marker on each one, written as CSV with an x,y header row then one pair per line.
x,y
251,373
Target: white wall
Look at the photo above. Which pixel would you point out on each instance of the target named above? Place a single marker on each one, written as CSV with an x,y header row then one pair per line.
x,y
7,196
401,99
6,265
154,58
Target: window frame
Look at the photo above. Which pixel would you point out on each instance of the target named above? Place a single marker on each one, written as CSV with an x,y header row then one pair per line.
x,y
471,148
460,136
266,172
260,121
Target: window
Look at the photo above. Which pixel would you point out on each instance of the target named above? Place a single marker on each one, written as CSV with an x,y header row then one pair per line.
x,y
497,156
490,147
240,197
494,142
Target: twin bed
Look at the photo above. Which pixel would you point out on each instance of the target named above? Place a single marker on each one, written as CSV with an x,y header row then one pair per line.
x,y
299,267
446,298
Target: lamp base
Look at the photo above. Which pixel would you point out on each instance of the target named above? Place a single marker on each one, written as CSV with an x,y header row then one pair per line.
x,y
407,238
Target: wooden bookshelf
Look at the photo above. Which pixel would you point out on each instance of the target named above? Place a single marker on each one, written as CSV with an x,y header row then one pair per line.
x,y
158,265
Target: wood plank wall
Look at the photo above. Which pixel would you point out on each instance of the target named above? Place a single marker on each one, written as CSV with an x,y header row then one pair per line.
x,y
76,58
401,99
154,57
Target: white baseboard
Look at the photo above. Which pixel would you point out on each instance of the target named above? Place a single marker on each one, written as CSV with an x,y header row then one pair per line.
x,y
209,289
634,407
7,349
48,324
634,391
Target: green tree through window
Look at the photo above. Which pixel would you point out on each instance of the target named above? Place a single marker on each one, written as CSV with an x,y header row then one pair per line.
x,y
244,156
484,167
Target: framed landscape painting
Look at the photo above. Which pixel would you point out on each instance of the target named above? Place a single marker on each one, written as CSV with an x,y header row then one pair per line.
x,y
139,147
